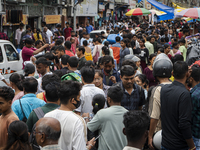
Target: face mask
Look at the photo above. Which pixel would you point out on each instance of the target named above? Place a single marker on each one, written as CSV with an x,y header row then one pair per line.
x,y
78,103
107,71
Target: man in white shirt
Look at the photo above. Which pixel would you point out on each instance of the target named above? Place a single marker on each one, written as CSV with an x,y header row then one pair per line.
x,y
73,127
88,91
41,66
130,28
49,35
136,129
18,35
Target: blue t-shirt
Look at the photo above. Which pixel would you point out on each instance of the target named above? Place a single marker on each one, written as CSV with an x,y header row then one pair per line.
x,y
28,102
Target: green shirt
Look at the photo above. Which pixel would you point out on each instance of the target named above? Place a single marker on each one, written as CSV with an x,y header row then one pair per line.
x,y
81,62
32,119
110,128
183,50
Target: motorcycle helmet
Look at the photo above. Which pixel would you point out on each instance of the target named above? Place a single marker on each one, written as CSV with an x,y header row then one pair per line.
x,y
162,66
157,138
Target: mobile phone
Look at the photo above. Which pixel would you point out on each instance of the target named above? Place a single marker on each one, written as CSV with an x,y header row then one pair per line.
x,y
97,137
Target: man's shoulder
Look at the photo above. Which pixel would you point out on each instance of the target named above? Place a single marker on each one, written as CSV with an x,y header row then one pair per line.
x,y
12,116
51,113
83,59
110,110
63,115
196,93
86,88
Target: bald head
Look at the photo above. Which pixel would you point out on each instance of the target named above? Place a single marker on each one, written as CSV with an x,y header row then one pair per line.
x,y
45,29
50,127
51,122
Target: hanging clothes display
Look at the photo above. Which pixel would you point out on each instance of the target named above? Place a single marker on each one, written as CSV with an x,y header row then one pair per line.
x,y
14,16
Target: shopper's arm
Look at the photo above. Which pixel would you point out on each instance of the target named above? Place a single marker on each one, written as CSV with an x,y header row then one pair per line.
x,y
40,49
190,143
152,128
5,82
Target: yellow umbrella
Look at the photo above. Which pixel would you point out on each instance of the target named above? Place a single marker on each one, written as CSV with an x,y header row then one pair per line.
x,y
177,6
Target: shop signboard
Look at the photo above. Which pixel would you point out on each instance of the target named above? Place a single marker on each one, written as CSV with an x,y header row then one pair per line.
x,y
132,4
52,19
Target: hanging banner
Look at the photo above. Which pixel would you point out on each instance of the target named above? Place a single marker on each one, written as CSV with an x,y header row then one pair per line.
x,y
87,8
132,4
4,21
52,19
111,5
101,7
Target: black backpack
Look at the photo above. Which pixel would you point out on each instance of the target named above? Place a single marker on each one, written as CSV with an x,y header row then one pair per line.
x,y
40,114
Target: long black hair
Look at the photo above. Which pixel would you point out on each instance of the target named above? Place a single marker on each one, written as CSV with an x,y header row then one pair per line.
x,y
17,80
98,102
38,33
18,136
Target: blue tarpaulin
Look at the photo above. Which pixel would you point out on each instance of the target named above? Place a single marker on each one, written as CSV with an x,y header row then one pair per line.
x,y
162,7
165,17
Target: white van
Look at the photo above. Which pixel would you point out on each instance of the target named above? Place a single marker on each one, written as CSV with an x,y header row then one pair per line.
x,y
92,33
10,60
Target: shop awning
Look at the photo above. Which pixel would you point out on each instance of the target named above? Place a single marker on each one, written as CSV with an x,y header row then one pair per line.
x,y
162,7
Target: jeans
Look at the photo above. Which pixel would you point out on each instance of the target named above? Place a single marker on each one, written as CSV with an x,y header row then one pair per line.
x,y
196,143
164,148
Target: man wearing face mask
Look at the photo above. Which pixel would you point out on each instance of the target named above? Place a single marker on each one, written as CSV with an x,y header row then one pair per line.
x,y
88,91
73,127
110,74
133,94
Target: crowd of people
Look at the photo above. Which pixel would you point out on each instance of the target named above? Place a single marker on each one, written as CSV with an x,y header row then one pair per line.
x,y
79,92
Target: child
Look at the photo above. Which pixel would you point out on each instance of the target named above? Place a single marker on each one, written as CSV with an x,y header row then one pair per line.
x,y
7,115
182,48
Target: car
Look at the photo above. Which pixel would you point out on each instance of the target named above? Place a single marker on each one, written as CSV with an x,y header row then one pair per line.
x,y
92,33
10,60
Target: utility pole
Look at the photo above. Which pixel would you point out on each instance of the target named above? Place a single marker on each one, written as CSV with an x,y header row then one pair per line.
x,y
114,13
74,12
5,5
144,4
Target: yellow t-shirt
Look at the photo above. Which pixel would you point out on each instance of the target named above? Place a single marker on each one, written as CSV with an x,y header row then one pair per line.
x,y
41,96
88,56
36,38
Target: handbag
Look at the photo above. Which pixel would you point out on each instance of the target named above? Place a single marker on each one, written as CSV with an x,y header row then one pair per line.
x,y
24,118
95,59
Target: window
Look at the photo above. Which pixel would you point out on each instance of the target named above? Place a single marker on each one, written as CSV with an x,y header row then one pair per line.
x,y
1,55
10,53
